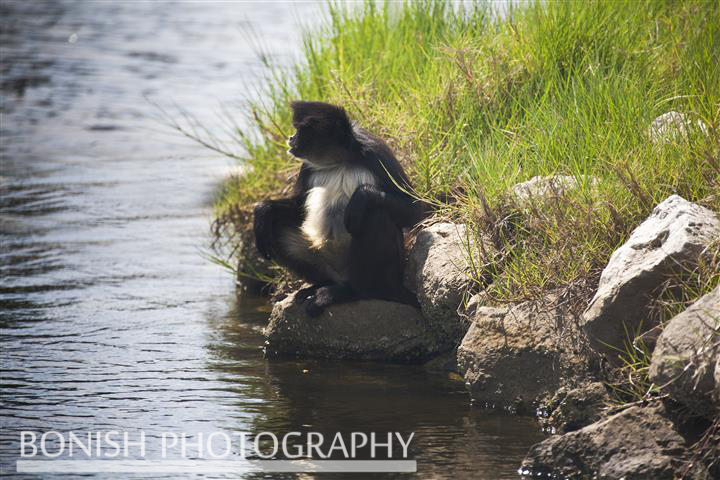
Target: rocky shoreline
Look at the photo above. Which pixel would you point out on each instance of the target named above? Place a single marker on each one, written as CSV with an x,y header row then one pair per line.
x,y
541,356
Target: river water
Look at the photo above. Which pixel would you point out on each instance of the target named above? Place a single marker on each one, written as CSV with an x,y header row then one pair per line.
x,y
112,318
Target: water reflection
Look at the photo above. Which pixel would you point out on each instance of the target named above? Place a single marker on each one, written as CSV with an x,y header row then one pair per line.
x,y
452,438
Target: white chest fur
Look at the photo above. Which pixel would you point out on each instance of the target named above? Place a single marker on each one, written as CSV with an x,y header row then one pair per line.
x,y
329,193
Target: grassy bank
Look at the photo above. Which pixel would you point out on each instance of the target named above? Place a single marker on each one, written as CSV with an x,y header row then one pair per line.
x,y
474,104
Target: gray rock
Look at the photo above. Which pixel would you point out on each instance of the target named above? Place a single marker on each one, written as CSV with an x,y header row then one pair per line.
x,y
639,443
363,330
439,272
472,304
671,239
513,355
685,359
543,187
574,408
444,363
672,126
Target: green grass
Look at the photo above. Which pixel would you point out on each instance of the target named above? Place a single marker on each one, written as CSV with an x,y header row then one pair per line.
x,y
474,104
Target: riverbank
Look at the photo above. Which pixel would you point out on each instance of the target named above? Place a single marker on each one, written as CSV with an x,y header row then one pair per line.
x,y
553,136
473,106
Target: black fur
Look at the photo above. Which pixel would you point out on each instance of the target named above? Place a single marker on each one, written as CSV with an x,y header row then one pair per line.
x,y
374,216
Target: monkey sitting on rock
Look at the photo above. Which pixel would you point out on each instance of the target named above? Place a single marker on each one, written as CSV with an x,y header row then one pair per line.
x,y
342,228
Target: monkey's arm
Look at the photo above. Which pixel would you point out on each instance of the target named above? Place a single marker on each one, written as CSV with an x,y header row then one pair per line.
x,y
270,213
404,211
286,211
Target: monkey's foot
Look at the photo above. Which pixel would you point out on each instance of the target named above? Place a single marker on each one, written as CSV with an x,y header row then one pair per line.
x,y
304,294
326,296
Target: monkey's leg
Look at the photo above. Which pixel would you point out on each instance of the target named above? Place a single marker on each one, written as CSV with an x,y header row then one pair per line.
x,y
270,218
277,236
293,252
376,260
310,265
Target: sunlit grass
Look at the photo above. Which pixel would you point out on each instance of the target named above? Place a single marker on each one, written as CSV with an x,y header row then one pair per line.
x,y
473,104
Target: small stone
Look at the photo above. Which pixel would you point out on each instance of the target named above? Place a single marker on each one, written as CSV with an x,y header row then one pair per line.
x,y
543,187
671,126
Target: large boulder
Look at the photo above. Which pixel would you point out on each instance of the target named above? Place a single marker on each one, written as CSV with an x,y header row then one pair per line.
x,y
671,239
362,330
639,443
439,272
511,356
687,353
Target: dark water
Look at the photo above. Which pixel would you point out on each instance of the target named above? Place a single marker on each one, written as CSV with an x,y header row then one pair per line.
x,y
111,317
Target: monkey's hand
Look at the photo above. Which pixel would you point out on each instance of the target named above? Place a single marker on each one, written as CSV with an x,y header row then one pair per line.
x,y
262,226
364,199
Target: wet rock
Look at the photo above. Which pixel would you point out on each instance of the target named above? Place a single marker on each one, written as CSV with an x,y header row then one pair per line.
x,y
363,330
572,409
511,356
637,443
671,239
672,126
685,359
439,272
446,363
287,285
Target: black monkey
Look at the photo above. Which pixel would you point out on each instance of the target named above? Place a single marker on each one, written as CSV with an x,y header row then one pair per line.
x,y
341,230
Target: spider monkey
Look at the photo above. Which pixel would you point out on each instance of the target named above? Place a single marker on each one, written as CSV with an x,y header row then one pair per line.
x,y
342,227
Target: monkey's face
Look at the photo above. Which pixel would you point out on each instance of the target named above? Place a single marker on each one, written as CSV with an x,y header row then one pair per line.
x,y
315,143
323,133
296,148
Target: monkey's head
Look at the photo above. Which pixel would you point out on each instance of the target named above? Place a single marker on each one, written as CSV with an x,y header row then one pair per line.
x,y
323,133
